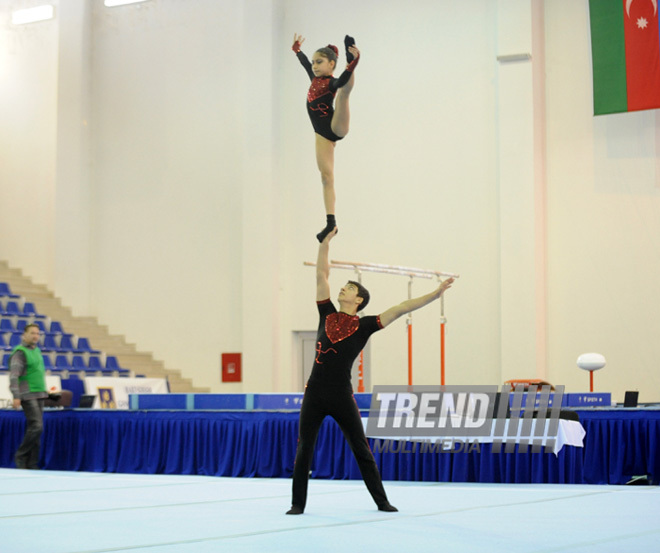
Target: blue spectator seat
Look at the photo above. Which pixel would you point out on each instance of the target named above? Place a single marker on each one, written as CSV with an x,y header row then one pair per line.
x,y
4,346
49,344
15,339
40,325
84,346
112,364
48,364
56,328
95,363
12,309
78,363
29,310
62,363
5,360
66,344
6,292
20,324
6,325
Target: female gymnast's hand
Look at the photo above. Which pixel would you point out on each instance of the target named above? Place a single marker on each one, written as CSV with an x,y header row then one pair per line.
x,y
353,50
297,42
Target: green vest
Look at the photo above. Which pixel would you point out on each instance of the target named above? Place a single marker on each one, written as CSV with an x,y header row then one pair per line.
x,y
35,371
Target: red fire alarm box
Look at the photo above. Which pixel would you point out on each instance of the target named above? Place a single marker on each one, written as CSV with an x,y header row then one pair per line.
x,y
231,367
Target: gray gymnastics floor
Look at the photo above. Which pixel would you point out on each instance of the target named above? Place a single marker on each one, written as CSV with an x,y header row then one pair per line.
x,y
69,512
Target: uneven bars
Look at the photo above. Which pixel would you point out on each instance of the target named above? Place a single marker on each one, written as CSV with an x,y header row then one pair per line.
x,y
404,270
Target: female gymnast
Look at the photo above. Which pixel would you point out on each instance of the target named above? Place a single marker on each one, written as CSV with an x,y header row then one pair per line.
x,y
330,124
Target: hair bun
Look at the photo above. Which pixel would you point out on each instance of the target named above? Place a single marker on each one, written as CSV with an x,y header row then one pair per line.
x,y
334,49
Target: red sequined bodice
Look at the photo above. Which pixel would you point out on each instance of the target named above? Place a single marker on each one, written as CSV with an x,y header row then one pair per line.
x,y
339,326
320,87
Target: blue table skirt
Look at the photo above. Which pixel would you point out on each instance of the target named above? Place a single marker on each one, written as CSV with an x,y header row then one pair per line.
x,y
259,444
620,444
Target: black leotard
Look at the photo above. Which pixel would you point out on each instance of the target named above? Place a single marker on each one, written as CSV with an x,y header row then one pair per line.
x,y
321,95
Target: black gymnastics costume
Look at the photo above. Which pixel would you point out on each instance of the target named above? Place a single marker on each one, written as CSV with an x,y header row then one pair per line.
x,y
340,339
321,95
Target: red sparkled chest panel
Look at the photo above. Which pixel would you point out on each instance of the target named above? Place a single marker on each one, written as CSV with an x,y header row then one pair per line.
x,y
339,326
320,87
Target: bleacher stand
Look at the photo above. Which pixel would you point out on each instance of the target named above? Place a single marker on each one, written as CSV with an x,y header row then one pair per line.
x,y
73,355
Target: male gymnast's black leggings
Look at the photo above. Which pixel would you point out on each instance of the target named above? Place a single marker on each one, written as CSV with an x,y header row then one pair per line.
x,y
339,403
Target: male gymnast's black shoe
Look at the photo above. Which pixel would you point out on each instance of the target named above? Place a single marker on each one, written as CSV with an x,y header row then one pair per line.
x,y
295,510
388,508
349,41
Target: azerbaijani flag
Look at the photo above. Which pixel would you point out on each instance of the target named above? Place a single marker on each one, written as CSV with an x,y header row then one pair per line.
x,y
625,49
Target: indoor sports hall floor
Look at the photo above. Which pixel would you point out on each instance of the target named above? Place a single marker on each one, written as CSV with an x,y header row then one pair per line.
x,y
74,512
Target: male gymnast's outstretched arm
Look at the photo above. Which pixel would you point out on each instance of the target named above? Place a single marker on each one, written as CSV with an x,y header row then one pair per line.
x,y
323,268
393,313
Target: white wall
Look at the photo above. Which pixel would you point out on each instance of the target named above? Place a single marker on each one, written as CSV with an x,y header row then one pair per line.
x,y
204,196
603,223
167,127
28,129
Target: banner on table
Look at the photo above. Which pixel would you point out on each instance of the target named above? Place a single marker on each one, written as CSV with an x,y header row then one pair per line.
x,y
112,393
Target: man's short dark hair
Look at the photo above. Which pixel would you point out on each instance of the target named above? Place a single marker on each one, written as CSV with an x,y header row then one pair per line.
x,y
29,326
362,292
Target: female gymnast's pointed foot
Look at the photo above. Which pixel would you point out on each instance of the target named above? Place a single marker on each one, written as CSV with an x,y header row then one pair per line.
x,y
329,227
388,508
348,42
